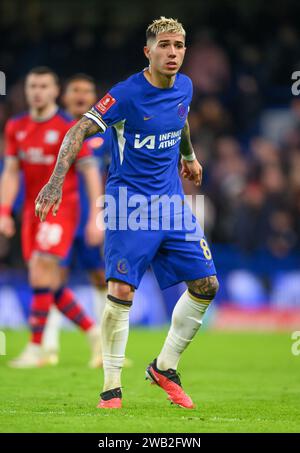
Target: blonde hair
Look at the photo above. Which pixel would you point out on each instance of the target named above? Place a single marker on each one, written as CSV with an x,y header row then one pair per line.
x,y
164,25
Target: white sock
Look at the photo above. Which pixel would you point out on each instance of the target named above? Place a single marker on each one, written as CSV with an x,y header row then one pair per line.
x,y
52,330
114,335
186,321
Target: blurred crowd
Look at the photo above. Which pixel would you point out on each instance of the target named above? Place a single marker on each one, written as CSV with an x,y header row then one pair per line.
x,y
252,186
245,123
248,140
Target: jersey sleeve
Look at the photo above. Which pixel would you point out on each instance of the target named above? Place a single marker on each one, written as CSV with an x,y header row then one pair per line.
x,y
110,109
10,141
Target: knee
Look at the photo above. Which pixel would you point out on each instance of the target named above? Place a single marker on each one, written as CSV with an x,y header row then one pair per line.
x,y
36,271
213,287
120,290
205,286
42,271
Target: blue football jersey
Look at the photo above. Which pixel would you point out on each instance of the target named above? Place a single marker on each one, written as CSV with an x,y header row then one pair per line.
x,y
146,131
147,123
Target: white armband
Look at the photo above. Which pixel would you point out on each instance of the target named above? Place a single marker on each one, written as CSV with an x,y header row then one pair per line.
x,y
92,114
190,157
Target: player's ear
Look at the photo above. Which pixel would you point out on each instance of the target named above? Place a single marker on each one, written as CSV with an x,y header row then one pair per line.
x,y
147,52
57,90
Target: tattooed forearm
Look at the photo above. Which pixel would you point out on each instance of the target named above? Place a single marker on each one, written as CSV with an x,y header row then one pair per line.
x,y
50,195
206,286
186,147
70,147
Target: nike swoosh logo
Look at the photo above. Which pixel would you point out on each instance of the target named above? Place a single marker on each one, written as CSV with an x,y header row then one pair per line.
x,y
146,118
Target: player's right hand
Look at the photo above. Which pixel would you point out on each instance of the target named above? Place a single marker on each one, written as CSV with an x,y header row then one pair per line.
x,y
192,171
49,197
7,226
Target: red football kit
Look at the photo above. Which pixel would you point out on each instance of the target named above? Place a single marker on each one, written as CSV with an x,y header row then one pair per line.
x,y
36,145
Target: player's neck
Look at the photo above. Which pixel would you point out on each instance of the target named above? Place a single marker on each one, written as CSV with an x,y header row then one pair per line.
x,y
159,80
44,113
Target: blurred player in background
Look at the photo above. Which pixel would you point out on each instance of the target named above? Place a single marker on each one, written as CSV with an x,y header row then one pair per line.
x,y
148,112
78,97
33,140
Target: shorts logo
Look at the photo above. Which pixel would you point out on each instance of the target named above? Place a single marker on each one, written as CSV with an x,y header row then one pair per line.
x,y
122,266
105,103
181,110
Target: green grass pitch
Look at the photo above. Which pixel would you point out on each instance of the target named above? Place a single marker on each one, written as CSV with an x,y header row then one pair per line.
x,y
240,383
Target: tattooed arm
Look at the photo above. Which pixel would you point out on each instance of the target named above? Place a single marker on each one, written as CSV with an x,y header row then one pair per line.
x,y
51,193
190,167
186,147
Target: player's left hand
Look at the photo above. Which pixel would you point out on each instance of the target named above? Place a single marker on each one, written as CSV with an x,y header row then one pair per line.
x,y
93,235
192,171
49,197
